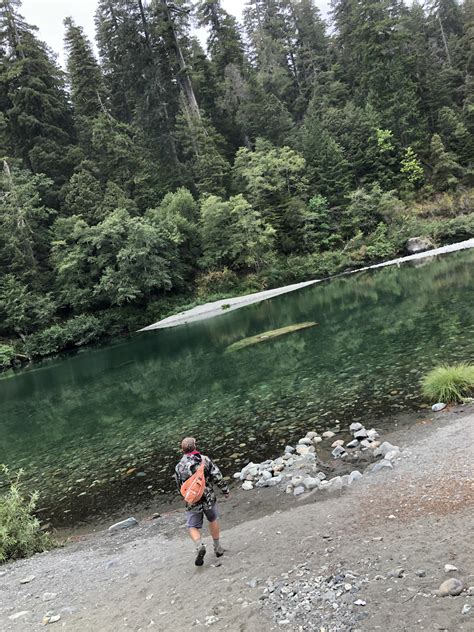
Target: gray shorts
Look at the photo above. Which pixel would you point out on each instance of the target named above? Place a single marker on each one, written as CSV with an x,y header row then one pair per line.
x,y
194,519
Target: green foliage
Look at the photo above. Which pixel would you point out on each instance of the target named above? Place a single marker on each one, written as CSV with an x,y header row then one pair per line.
x,y
411,167
7,356
234,234
446,170
216,282
369,207
75,332
20,532
449,383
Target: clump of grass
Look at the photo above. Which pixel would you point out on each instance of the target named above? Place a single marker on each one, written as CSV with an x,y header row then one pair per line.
x,y
20,530
449,383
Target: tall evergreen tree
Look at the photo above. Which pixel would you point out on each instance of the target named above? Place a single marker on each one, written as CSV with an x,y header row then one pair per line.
x,y
38,120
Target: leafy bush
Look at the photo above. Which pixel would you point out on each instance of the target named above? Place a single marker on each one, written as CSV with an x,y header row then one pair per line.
x,y
449,383
75,332
20,532
216,281
7,355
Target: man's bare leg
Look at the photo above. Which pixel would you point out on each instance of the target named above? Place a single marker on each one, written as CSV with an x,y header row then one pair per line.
x,y
200,546
215,533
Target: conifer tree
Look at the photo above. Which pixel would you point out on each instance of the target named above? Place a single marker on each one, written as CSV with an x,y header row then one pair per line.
x,y
38,121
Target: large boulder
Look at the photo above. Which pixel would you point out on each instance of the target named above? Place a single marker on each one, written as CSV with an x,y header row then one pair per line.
x,y
419,244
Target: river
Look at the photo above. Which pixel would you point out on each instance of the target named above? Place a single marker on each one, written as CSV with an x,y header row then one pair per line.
x,y
101,427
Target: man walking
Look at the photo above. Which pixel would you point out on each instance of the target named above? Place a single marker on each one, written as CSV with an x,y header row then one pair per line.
x,y
207,505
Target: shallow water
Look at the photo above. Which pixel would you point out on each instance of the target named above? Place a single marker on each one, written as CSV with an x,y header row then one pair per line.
x,y
101,427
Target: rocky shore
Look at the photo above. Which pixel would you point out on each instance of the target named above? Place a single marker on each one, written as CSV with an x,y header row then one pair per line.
x,y
393,551
300,469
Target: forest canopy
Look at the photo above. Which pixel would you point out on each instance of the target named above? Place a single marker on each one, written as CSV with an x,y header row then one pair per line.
x,y
163,171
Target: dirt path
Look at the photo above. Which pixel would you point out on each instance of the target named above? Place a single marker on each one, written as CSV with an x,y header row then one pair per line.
x,y
301,567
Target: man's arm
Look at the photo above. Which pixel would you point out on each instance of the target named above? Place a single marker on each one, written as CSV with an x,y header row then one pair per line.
x,y
216,476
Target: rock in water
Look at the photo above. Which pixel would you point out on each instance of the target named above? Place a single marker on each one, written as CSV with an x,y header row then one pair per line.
x,y
353,444
123,524
436,408
451,587
338,452
419,244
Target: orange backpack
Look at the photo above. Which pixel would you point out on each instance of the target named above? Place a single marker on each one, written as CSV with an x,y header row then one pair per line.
x,y
193,489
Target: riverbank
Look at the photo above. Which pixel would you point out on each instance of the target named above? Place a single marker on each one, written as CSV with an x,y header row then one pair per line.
x,y
291,564
223,306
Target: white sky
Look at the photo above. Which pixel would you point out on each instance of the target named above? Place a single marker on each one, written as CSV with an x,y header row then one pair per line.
x,y
48,16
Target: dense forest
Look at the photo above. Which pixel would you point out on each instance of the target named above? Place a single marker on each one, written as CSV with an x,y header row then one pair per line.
x,y
163,173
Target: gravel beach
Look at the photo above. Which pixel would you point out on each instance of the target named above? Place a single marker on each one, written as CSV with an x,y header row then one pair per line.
x,y
369,557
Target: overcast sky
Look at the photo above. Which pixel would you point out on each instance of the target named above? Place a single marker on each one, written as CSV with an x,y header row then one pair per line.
x,y
48,16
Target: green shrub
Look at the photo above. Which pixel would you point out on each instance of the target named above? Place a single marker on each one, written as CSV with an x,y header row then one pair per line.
x,y
20,532
449,383
75,332
7,355
215,282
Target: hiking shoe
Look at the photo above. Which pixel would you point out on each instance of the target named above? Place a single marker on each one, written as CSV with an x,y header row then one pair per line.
x,y
201,552
219,551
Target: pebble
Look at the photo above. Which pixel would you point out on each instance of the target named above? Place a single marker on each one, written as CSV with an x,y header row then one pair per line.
x,y
380,465
360,602
436,408
247,485
27,580
51,619
398,572
361,434
353,444
466,609
289,449
47,596
449,568
210,620
451,587
305,441
18,615
317,440
338,442
329,434
420,572
311,435
354,476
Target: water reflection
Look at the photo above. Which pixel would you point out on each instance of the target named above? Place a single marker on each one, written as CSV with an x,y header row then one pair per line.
x,y
101,426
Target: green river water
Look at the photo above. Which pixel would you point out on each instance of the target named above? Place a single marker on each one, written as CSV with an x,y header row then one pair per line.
x,y
100,428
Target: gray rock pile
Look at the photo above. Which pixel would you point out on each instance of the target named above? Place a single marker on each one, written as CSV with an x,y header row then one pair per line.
x,y
300,470
302,600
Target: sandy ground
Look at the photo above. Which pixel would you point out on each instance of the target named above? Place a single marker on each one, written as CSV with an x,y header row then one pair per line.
x,y
418,516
